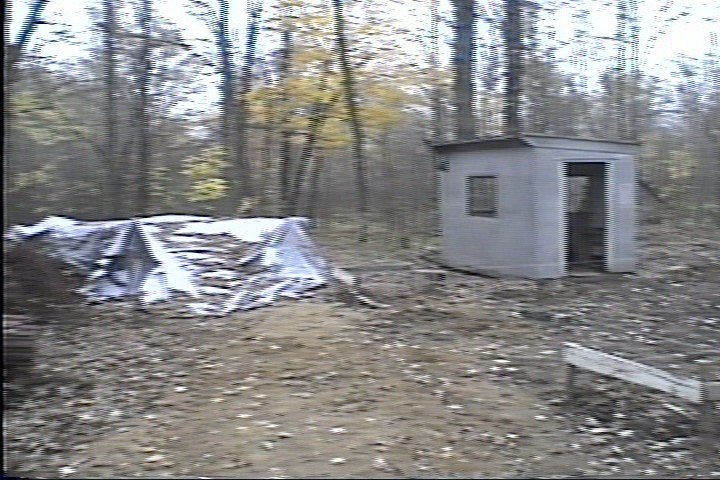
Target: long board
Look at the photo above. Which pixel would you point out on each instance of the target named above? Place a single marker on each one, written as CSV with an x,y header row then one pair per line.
x,y
634,372
713,391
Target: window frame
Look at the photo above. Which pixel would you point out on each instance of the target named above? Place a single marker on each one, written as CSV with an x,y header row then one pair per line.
x,y
472,196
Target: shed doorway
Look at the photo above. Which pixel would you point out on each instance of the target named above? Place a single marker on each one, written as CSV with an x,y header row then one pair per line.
x,y
585,216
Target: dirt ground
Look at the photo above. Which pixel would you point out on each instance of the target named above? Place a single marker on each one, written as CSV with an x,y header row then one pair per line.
x,y
462,380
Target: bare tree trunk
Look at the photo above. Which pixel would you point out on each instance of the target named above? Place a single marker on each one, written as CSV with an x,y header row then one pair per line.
x,y
315,175
242,178
621,80
437,118
464,51
285,170
142,204
15,50
634,68
436,94
358,153
222,39
267,162
13,55
315,126
513,51
113,182
713,134
8,218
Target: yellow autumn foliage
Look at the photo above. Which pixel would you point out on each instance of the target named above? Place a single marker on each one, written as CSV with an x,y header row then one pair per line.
x,y
380,117
335,134
680,164
206,171
208,189
39,177
315,76
305,57
42,123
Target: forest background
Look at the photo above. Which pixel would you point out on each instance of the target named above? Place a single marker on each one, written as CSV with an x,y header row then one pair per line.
x,y
325,108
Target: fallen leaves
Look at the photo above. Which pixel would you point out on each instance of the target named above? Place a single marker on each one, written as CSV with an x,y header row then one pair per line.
x,y
434,374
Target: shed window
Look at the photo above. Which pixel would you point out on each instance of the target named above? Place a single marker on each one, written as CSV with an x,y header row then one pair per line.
x,y
482,196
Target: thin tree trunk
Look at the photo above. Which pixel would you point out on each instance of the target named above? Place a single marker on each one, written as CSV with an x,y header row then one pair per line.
x,y
242,178
113,181
358,153
267,156
315,175
464,51
513,51
15,50
634,68
222,38
9,218
285,170
315,126
13,55
621,96
437,118
144,155
436,95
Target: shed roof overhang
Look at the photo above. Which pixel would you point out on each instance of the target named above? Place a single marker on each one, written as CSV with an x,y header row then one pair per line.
x,y
537,140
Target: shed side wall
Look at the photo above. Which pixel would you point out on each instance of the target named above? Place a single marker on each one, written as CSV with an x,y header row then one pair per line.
x,y
501,244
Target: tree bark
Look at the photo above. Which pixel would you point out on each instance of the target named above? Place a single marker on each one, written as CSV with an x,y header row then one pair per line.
x,y
436,93
621,80
15,50
358,154
315,126
114,177
464,51
142,204
222,39
285,170
513,51
315,175
13,55
634,67
242,184
437,118
267,159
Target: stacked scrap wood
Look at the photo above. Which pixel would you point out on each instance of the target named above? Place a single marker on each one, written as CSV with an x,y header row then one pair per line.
x,y
215,261
19,346
37,281
37,287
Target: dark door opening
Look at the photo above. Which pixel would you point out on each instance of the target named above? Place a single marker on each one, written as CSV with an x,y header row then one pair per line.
x,y
585,216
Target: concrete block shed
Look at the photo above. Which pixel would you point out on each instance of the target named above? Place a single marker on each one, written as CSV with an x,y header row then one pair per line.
x,y
538,206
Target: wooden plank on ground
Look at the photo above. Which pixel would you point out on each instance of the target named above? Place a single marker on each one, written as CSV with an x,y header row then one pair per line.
x,y
630,371
379,268
713,391
352,285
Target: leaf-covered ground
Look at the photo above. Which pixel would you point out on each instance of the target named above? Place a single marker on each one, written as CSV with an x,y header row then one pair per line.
x,y
463,381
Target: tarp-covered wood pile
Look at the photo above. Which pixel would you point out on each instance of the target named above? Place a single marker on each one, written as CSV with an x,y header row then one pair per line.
x,y
214,266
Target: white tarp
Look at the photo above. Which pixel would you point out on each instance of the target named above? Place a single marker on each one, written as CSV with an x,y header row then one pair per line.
x,y
249,262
